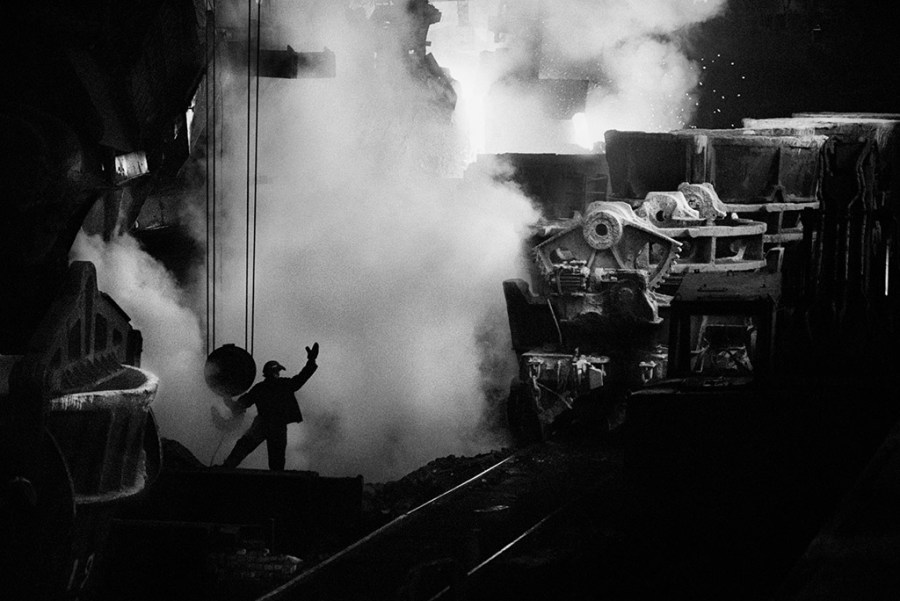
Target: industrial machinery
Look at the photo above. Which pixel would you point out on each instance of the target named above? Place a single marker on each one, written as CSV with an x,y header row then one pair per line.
x,y
768,173
712,238
78,438
706,439
90,129
591,328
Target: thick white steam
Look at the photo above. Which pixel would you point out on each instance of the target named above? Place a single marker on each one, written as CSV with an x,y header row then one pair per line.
x,y
173,339
361,246
630,51
365,248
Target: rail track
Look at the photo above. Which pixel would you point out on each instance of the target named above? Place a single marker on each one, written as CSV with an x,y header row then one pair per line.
x,y
538,502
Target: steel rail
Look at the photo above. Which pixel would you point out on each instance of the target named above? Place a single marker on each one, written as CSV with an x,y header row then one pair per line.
x,y
291,587
511,546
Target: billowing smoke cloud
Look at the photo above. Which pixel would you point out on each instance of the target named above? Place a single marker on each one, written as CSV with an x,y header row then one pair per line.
x,y
173,339
365,248
361,245
630,51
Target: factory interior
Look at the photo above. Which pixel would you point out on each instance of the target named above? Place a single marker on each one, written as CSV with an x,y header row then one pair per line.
x,y
606,291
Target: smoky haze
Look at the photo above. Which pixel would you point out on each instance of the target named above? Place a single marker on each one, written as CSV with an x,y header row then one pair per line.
x,y
361,246
172,335
363,243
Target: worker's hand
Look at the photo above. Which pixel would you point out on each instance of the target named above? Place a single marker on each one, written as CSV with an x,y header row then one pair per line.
x,y
312,353
235,407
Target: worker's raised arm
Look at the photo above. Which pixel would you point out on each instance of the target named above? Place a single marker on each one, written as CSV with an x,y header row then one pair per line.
x,y
309,369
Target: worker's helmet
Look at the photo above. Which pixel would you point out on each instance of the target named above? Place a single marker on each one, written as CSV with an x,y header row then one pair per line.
x,y
271,368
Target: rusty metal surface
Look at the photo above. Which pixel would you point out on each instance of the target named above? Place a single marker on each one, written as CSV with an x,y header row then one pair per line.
x,y
743,166
784,224
642,162
665,208
728,244
101,434
609,236
84,339
712,238
764,168
593,322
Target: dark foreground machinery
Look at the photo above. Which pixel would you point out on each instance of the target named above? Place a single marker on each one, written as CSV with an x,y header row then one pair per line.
x,y
703,446
78,438
737,458
590,330
707,416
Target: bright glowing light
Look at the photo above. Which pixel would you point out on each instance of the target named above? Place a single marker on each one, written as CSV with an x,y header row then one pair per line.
x,y
459,50
470,110
636,80
581,131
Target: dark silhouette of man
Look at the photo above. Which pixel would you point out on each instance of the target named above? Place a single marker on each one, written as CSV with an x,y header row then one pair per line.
x,y
276,406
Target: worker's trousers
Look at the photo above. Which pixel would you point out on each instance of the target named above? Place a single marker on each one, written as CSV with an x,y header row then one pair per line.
x,y
275,436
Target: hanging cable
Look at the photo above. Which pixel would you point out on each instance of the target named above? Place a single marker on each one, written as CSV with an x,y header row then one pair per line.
x,y
207,171
215,147
255,177
247,232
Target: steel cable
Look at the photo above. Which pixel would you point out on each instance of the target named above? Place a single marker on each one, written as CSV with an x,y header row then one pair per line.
x,y
247,228
255,177
207,174
215,147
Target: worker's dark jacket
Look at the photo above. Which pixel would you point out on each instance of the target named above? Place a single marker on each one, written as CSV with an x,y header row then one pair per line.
x,y
274,397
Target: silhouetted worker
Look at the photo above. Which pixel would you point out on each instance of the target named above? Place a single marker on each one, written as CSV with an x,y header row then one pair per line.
x,y
277,407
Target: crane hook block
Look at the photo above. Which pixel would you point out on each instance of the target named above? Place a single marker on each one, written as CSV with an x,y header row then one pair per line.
x,y
229,370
